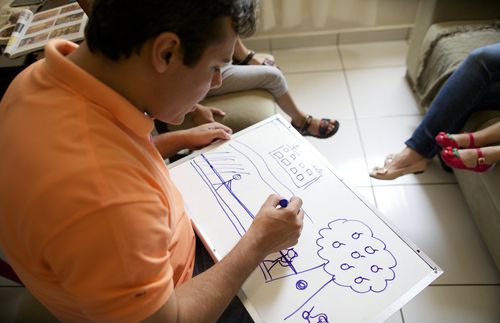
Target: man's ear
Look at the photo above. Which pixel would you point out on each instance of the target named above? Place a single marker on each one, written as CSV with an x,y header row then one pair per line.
x,y
165,45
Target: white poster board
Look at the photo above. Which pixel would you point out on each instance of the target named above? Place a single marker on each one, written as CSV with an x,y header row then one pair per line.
x,y
350,264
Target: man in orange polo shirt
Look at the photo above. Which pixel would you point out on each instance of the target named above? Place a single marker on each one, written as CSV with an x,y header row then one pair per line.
x,y
89,218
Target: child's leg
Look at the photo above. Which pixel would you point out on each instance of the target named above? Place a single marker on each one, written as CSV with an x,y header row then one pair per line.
x,y
287,104
237,78
488,135
249,77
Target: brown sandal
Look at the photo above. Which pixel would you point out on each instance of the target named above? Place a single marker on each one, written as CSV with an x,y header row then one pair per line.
x,y
322,129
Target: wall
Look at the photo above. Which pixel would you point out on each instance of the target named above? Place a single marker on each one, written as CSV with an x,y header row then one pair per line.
x,y
333,21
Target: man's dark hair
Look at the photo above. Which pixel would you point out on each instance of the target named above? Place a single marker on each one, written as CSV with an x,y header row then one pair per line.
x,y
117,28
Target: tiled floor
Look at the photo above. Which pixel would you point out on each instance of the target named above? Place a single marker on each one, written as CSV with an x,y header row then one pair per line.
x,y
363,86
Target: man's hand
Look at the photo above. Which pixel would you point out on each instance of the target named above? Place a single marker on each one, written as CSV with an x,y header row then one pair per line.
x,y
204,297
274,229
203,114
201,136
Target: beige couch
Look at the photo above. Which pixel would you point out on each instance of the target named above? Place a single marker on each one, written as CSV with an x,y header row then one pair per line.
x,y
481,191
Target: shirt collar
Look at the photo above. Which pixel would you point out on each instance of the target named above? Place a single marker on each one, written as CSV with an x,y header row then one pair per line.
x,y
86,85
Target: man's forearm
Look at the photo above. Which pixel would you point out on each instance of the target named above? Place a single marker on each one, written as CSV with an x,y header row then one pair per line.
x,y
169,143
204,298
210,292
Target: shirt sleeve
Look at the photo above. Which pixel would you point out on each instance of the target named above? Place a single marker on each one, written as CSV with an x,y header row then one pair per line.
x,y
115,262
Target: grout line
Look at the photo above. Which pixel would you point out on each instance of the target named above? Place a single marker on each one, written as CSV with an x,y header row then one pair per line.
x,y
358,131
402,315
346,69
314,71
375,67
415,184
389,116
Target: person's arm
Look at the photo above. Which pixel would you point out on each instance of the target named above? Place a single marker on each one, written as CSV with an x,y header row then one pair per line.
x,y
204,298
169,143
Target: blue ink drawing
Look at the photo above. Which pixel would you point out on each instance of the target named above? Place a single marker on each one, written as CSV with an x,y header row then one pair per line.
x,y
289,158
354,257
348,254
221,172
318,318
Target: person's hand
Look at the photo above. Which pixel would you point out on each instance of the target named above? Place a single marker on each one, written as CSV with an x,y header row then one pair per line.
x,y
201,136
203,114
274,229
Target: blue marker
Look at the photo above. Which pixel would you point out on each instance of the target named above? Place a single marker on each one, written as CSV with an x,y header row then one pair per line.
x,y
283,202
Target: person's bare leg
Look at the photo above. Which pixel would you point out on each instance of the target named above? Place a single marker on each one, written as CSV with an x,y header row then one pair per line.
x,y
240,50
483,137
288,105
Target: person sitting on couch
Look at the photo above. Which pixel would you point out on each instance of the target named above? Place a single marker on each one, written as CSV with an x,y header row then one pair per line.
x,y
257,71
468,89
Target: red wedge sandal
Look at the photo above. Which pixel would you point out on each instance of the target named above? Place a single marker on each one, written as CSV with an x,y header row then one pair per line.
x,y
445,140
451,157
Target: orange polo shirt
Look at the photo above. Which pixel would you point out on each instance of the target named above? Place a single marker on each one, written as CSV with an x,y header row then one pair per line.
x,y
89,218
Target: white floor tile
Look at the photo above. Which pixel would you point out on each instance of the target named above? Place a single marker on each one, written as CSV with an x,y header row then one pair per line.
x,y
308,59
437,219
457,304
321,94
376,54
345,153
381,92
383,136
10,298
395,318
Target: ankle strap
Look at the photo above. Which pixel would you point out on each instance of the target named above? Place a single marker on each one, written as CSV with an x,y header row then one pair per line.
x,y
480,157
471,140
